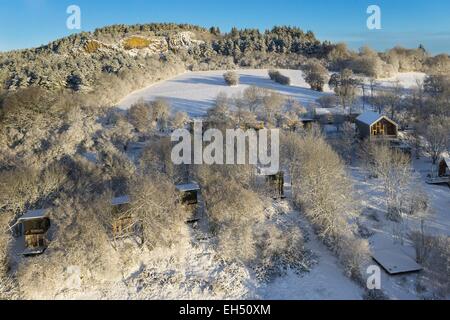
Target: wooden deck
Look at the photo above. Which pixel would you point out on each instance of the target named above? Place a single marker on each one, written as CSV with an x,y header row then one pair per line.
x,y
437,180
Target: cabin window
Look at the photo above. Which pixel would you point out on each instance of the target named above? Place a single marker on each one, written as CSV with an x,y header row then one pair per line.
x,y
36,226
378,129
189,197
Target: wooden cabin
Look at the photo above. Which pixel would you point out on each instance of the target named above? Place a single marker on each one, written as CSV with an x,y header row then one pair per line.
x,y
189,193
189,199
123,222
33,226
444,167
274,181
372,125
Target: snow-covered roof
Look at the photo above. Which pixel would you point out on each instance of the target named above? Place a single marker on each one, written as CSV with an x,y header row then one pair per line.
x,y
322,111
395,261
188,187
120,200
370,117
91,156
34,214
262,171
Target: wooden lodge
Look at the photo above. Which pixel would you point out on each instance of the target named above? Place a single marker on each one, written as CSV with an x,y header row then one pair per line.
x,y
122,220
442,174
274,181
190,198
33,226
444,167
189,193
372,125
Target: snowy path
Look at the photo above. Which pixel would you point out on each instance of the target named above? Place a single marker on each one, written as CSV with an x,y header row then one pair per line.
x,y
325,281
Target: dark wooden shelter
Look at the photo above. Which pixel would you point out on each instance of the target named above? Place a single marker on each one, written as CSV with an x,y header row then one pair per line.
x,y
190,199
122,219
372,125
274,181
33,226
189,193
444,167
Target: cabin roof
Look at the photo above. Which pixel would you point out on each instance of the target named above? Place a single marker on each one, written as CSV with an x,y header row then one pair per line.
x,y
193,186
323,111
370,117
395,261
305,119
120,200
262,171
33,214
91,156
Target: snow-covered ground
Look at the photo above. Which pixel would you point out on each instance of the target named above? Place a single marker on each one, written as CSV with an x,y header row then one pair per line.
x,y
195,92
407,80
393,236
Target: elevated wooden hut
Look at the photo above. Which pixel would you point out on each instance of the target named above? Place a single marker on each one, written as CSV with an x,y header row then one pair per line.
x,y
33,226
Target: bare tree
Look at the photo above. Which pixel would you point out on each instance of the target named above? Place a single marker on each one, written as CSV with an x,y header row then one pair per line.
x,y
316,74
140,116
253,96
437,136
344,85
155,203
179,120
273,104
160,112
393,167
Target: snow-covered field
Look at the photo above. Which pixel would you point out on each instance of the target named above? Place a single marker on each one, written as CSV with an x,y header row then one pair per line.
x,y
195,92
407,80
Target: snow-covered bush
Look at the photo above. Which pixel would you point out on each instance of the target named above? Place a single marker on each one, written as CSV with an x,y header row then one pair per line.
x,y
279,248
433,252
140,116
324,193
276,76
234,213
155,204
231,78
316,75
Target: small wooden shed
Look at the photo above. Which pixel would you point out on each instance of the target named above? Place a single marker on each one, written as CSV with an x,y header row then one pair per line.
x,y
307,123
444,167
274,180
33,226
189,193
122,219
374,125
